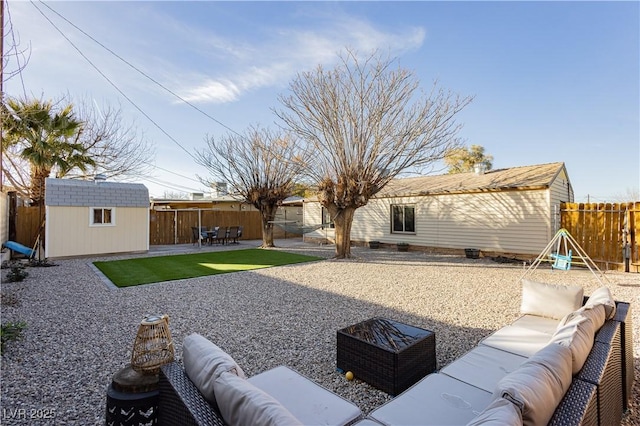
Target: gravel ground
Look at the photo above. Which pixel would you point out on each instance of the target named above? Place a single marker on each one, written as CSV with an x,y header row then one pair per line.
x,y
80,331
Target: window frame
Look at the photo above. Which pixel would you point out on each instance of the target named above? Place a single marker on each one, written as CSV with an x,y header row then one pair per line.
x,y
325,212
404,207
112,214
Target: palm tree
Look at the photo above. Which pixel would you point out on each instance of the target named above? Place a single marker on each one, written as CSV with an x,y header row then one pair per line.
x,y
46,137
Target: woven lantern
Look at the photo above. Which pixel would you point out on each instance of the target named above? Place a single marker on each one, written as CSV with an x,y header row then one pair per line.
x,y
153,346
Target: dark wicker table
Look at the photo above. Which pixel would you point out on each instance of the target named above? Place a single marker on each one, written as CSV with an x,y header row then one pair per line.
x,y
387,354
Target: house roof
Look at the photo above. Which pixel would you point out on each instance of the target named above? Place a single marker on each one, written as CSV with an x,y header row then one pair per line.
x,y
88,193
539,176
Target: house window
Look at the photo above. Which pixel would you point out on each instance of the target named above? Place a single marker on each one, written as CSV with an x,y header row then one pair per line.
x,y
326,219
102,216
403,218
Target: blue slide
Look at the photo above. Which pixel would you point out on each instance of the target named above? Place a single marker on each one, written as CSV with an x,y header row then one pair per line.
x,y
12,245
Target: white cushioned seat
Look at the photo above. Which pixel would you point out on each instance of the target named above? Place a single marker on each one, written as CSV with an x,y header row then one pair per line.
x,y
537,323
435,400
483,367
307,401
517,340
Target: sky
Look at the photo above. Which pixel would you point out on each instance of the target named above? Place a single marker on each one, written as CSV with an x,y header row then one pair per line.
x,y
551,81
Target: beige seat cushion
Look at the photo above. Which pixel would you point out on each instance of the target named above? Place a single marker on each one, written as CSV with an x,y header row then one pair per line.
x,y
483,367
435,400
204,361
309,402
241,403
549,300
517,340
537,323
538,386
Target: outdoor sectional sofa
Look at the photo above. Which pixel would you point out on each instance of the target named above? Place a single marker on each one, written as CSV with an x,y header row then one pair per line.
x,y
568,360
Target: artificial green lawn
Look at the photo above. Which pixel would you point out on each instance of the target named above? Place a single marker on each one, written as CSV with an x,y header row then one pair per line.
x,y
130,272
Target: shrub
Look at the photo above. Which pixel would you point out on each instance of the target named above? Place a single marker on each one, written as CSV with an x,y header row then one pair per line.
x,y
17,273
10,331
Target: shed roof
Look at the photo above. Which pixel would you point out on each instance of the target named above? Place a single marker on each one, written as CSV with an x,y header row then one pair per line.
x,y
539,176
85,193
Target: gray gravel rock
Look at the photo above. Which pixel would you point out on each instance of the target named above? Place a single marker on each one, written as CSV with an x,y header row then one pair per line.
x,y
81,331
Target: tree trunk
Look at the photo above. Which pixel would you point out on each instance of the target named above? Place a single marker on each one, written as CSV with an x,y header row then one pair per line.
x,y
38,177
343,221
268,216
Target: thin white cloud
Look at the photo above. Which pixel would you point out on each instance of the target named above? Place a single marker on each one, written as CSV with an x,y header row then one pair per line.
x,y
216,91
275,61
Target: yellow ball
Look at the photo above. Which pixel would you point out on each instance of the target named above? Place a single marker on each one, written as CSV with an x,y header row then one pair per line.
x,y
349,375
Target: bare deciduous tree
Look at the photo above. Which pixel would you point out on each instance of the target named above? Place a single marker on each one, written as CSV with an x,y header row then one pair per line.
x,y
260,166
366,124
118,148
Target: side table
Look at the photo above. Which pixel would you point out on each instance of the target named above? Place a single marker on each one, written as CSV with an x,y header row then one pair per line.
x,y
132,399
387,354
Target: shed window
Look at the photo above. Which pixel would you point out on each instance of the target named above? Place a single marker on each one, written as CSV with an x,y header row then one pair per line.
x,y
102,216
403,218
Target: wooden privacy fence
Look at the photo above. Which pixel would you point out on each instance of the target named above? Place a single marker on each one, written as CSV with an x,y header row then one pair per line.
x,y
608,232
165,226
28,221
174,226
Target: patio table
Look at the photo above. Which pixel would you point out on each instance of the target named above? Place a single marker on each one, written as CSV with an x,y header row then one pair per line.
x,y
387,354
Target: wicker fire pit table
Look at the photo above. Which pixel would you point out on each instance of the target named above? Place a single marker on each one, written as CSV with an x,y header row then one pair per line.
x,y
387,354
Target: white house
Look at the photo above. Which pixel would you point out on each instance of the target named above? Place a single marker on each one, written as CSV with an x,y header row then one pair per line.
x,y
95,217
514,210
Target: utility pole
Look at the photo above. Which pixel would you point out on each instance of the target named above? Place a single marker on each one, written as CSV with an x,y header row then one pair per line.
x,y
1,88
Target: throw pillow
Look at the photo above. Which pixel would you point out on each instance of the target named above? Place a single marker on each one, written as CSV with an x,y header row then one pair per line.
x,y
602,296
549,300
204,362
241,403
501,412
538,385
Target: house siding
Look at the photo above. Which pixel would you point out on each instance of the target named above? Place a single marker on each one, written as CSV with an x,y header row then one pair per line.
x,y
515,221
560,191
4,219
68,232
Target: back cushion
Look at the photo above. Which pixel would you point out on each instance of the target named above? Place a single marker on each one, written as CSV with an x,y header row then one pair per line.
x,y
602,296
241,403
501,412
577,334
549,300
538,385
204,361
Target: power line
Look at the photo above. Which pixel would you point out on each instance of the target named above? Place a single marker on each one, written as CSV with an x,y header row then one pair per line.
x,y
17,55
142,72
113,84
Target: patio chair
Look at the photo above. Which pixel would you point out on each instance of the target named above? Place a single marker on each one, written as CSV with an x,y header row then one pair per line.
x,y
232,234
221,235
199,235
